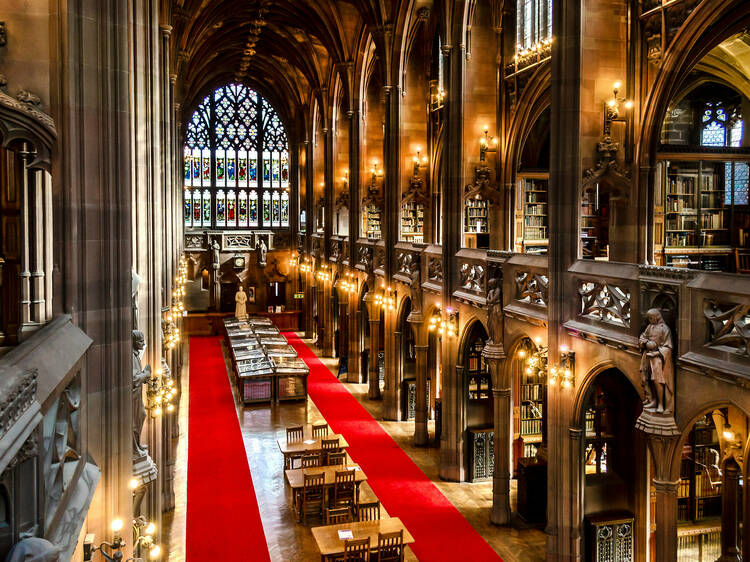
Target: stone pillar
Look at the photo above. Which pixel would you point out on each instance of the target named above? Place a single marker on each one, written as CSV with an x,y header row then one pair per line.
x,y
372,376
730,512
501,394
666,519
577,481
421,434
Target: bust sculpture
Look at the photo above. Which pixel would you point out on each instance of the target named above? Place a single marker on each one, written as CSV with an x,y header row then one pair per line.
x,y
495,310
240,299
140,376
657,370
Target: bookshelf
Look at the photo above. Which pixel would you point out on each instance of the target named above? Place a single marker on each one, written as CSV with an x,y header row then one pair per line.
x,y
371,222
535,209
412,221
699,492
476,216
478,382
703,218
595,224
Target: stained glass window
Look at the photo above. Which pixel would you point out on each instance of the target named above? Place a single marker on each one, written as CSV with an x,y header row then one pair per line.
x,y
236,151
722,127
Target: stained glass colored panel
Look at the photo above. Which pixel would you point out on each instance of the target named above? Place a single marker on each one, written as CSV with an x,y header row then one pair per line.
x,y
284,169
220,168
276,178
714,134
242,208
276,218
253,168
253,208
221,203
231,167
188,207
206,207
197,208
231,209
285,209
266,169
206,167
266,209
242,168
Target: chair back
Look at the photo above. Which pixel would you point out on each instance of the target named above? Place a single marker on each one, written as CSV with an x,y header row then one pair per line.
x,y
337,458
295,433
313,484
343,487
391,546
330,444
320,430
368,511
336,515
310,460
357,550
742,258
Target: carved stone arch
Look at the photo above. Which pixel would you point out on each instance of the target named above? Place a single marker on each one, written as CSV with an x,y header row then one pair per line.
x,y
583,387
417,21
464,337
24,122
511,351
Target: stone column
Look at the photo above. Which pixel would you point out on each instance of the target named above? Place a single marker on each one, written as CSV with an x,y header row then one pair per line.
x,y
666,519
730,512
372,376
421,434
494,354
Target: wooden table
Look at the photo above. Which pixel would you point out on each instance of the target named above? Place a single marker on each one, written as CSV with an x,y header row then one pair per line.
x,y
307,446
296,478
329,544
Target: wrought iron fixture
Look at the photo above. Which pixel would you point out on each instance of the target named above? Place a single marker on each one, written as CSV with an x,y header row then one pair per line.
x,y
613,108
419,162
387,299
564,373
484,143
444,325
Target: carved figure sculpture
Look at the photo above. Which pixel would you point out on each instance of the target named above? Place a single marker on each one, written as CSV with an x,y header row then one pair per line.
x,y
140,376
415,288
240,308
216,259
262,250
136,280
34,549
657,370
495,310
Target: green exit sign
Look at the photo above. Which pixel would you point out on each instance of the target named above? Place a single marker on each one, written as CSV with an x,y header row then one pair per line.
x,y
299,295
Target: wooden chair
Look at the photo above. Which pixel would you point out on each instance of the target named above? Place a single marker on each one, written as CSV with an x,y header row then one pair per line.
x,y
336,515
390,547
330,446
320,430
357,550
296,433
742,260
344,488
311,460
339,458
369,511
313,496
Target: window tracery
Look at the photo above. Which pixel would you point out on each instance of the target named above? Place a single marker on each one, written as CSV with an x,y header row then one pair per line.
x,y
232,134
533,22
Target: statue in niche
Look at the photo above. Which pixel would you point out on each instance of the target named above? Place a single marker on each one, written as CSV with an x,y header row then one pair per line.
x,y
495,310
240,308
415,289
140,376
262,249
657,370
216,259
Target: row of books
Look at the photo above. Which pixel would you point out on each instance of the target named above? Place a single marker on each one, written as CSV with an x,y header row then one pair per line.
x,y
531,392
531,427
536,220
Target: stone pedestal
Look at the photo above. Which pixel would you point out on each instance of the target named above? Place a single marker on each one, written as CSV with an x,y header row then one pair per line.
x,y
654,423
145,472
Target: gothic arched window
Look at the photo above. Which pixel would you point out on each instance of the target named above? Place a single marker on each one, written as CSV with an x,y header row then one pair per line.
x,y
235,145
533,22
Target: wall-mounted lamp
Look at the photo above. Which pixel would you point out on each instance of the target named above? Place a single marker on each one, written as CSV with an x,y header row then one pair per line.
x,y
345,179
564,373
322,274
386,300
419,162
484,144
160,393
294,261
444,326
437,97
306,265
376,170
613,108
348,283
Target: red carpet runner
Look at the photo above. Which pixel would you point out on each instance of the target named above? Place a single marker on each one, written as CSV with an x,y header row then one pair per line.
x,y
223,521
439,529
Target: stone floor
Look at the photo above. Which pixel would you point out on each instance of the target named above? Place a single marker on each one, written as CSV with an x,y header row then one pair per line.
x,y
262,426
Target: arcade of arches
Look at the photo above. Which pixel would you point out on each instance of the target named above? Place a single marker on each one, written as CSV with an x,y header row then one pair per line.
x,y
500,247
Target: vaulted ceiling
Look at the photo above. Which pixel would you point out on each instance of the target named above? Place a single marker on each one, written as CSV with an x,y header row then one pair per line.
x,y
288,50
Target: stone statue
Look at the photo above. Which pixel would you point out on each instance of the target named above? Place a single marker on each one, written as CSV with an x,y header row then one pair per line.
x,y
415,289
495,310
216,259
262,249
140,376
33,549
657,371
240,298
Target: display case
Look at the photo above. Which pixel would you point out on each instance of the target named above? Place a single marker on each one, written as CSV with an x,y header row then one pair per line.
x,y
595,224
531,415
699,492
482,454
477,200
702,210
478,380
413,205
533,190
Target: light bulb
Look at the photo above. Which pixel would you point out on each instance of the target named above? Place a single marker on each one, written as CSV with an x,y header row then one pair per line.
x,y
629,104
616,85
611,103
116,525
133,483
564,348
150,529
538,340
170,408
155,552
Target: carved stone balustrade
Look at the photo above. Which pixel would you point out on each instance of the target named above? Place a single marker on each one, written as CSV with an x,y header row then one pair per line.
x,y
195,242
526,288
378,258
335,250
317,244
407,261
472,276
364,255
